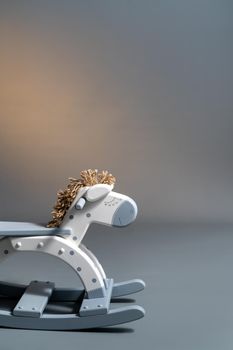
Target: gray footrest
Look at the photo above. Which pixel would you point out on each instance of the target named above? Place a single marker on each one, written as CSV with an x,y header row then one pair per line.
x,y
97,306
34,300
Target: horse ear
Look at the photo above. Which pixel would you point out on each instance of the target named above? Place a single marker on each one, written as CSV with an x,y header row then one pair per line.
x,y
97,192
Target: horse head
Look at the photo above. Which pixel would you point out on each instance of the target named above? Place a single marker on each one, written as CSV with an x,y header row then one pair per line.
x,y
91,199
99,204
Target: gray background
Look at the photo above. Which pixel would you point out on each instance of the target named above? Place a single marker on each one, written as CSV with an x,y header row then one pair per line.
x,y
144,89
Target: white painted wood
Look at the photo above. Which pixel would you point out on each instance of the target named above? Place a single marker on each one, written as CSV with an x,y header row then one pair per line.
x,y
65,250
94,259
97,192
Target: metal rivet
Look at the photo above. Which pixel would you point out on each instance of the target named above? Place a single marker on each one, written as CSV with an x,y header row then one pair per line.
x,y
71,217
71,252
85,307
79,269
88,215
40,245
18,245
75,238
99,305
6,251
33,308
61,251
94,280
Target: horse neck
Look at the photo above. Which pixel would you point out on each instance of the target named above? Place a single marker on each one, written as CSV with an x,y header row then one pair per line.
x,y
77,224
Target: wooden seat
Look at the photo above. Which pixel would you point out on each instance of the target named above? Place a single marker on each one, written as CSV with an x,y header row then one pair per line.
x,y
12,228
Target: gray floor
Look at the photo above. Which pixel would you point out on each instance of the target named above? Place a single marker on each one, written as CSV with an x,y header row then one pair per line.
x,y
188,299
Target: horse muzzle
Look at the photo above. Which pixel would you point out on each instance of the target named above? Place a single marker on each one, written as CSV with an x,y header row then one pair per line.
x,y
125,213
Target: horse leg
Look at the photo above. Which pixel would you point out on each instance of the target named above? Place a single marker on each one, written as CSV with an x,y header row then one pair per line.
x,y
94,259
68,252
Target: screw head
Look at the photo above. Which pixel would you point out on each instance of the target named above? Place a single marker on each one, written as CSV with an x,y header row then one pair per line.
x,y
18,245
40,245
61,251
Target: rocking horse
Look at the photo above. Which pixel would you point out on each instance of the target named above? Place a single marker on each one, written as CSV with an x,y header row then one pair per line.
x,y
90,199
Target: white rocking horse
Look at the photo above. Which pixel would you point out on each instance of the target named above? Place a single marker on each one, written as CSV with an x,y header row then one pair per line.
x,y
31,307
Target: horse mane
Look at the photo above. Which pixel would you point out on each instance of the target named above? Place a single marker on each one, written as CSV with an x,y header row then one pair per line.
x,y
66,197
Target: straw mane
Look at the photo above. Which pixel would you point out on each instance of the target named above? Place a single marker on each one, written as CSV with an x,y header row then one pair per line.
x,y
65,197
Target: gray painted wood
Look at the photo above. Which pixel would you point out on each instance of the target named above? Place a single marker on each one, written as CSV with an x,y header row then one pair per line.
x,y
11,228
34,300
